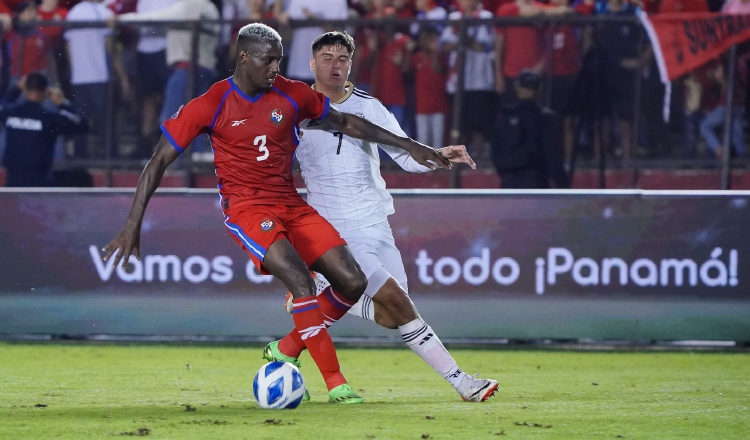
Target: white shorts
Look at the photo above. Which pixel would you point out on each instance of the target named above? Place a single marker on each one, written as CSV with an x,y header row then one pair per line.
x,y
377,255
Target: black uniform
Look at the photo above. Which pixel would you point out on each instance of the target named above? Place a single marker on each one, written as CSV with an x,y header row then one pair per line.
x,y
525,148
31,130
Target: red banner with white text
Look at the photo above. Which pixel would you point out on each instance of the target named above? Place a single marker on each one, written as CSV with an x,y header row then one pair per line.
x,y
684,41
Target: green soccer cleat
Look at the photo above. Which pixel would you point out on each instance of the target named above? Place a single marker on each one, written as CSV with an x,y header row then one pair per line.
x,y
344,394
271,353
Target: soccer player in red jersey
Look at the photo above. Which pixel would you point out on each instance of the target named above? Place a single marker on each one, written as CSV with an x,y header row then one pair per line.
x,y
252,120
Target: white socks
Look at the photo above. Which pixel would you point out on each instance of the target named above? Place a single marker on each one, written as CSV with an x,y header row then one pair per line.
x,y
424,342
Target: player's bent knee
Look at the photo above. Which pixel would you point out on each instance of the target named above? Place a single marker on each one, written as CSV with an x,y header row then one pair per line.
x,y
354,285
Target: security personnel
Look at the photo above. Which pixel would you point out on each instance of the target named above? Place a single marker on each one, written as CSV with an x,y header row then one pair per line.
x,y
524,140
31,130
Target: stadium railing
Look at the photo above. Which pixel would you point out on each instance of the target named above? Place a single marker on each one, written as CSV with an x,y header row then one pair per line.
x,y
592,141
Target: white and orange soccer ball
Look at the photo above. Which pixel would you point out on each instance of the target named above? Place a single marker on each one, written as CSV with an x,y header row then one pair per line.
x,y
278,385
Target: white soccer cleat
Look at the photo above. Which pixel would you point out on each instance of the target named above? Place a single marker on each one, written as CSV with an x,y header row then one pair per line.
x,y
321,284
472,389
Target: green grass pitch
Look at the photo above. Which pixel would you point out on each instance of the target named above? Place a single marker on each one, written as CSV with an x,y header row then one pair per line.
x,y
178,392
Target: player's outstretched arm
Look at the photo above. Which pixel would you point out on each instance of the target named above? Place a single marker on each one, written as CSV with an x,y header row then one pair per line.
x,y
128,241
361,128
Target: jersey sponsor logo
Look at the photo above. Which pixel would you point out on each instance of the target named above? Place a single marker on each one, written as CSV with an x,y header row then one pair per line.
x,y
177,113
23,123
277,117
267,225
240,122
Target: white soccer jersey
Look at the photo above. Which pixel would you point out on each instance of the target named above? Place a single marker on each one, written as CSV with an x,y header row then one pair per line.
x,y
342,173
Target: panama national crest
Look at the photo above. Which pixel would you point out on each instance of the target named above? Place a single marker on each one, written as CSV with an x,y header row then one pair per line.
x,y
276,116
267,224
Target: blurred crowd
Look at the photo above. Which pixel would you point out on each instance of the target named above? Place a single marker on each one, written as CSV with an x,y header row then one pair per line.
x,y
143,73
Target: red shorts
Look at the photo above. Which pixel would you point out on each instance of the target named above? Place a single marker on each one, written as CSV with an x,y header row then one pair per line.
x,y
256,227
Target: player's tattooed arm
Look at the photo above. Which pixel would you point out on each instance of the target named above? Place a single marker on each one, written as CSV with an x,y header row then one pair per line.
x,y
361,128
128,241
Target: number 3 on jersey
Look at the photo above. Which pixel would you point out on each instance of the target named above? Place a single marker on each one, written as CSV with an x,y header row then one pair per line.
x,y
260,142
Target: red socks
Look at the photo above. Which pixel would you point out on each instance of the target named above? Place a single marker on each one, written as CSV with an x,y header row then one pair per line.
x,y
329,307
311,332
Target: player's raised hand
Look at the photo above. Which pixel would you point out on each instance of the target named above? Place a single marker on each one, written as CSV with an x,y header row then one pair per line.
x,y
428,157
458,154
127,242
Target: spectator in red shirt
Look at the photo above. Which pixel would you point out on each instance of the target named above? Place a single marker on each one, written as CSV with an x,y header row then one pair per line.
x,y
520,47
430,67
566,61
368,40
389,85
50,10
27,43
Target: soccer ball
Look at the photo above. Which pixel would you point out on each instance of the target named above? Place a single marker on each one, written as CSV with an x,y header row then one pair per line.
x,y
278,385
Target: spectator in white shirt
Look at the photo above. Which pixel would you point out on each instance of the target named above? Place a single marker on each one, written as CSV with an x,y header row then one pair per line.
x,y
480,101
89,50
179,55
299,54
151,65
427,10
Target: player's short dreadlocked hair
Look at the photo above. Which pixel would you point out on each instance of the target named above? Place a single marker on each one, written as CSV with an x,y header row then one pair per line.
x,y
255,33
332,39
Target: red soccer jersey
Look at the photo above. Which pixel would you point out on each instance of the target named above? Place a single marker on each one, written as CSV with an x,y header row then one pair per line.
x,y
253,138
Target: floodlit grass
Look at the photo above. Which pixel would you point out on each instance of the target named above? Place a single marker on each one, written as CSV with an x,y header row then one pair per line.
x,y
105,391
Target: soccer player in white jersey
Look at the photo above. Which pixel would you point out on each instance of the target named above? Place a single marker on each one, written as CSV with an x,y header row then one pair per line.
x,y
344,185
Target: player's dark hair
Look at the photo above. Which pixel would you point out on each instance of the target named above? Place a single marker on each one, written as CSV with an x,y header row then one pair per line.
x,y
36,81
335,38
254,33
